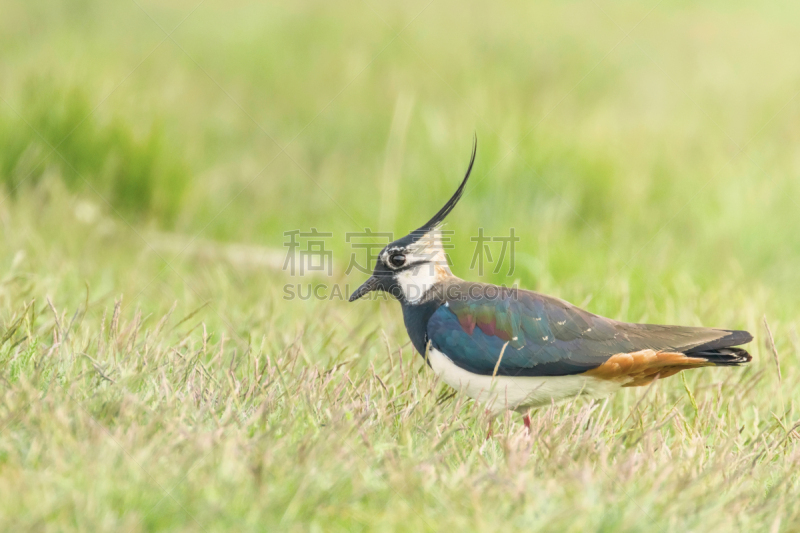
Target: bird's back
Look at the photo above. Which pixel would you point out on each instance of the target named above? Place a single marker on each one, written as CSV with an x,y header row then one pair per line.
x,y
544,336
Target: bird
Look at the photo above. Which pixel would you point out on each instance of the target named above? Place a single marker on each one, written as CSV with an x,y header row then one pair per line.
x,y
516,349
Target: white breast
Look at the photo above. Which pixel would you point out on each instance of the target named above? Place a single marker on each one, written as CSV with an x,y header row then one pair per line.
x,y
506,392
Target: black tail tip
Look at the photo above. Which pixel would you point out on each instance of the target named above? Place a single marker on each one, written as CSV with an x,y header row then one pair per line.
x,y
725,356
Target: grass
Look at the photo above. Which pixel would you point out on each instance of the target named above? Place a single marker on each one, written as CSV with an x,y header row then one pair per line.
x,y
54,132
644,155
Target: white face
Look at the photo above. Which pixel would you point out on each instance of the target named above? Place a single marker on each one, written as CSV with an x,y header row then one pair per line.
x,y
416,281
418,267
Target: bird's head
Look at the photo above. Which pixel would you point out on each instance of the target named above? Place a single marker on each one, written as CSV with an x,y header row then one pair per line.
x,y
409,267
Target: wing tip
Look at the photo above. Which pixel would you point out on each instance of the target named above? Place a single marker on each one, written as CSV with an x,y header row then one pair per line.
x,y
733,337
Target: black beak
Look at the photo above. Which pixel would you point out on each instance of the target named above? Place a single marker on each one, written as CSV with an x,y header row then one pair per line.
x,y
372,284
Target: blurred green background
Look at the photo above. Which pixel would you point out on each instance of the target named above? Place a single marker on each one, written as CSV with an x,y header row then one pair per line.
x,y
650,139
154,154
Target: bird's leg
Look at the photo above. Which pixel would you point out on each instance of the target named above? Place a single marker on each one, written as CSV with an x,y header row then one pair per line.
x,y
527,421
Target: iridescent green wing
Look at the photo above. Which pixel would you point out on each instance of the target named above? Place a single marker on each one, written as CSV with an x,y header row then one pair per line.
x,y
545,336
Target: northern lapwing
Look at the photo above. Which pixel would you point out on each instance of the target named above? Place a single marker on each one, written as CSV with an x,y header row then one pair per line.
x,y
516,349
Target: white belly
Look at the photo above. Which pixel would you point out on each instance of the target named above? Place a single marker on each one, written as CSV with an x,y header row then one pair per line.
x,y
505,392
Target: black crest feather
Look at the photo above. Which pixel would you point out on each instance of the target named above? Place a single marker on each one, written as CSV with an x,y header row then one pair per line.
x,y
451,203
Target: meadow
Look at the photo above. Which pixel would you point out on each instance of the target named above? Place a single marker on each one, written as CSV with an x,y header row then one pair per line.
x,y
154,157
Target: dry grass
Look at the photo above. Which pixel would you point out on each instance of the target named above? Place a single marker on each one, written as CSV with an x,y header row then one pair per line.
x,y
242,414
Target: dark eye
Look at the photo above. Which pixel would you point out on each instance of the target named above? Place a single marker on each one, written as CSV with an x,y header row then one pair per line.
x,y
397,260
